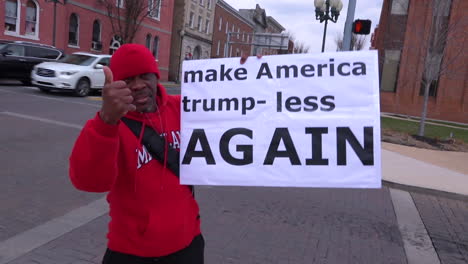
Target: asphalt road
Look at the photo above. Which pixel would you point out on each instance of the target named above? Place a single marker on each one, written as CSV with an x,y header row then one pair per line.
x,y
240,224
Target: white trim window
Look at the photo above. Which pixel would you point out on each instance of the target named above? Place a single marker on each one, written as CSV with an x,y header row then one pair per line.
x,y
119,3
73,30
12,11
32,15
207,26
96,37
148,41
238,33
220,23
227,26
156,47
199,25
191,20
154,9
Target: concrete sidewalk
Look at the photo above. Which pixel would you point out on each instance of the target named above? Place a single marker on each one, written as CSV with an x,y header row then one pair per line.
x,y
437,170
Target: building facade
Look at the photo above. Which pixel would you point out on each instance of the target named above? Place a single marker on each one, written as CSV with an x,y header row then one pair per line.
x,y
83,25
263,24
228,21
408,40
191,34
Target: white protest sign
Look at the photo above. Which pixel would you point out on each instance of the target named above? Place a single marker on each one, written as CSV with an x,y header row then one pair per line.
x,y
305,120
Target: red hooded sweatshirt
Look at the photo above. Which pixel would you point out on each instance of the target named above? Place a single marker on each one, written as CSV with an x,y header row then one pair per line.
x,y
151,214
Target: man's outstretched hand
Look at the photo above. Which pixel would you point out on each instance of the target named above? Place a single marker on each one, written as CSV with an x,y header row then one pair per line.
x,y
245,57
116,99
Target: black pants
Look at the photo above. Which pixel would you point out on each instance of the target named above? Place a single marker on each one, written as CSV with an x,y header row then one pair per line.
x,y
193,254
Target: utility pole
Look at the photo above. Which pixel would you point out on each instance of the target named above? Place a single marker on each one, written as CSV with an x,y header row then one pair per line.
x,y
348,25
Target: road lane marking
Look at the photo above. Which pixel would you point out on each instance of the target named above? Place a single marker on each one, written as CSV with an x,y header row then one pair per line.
x,y
49,98
31,239
44,120
417,243
94,98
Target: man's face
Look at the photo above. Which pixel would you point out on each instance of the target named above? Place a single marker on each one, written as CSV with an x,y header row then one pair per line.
x,y
144,89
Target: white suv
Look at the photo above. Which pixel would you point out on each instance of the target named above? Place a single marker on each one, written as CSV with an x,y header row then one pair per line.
x,y
79,72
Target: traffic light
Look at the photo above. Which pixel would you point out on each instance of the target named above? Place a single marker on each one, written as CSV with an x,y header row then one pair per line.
x,y
361,26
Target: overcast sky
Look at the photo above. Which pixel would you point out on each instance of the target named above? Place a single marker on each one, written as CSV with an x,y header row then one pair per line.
x,y
298,16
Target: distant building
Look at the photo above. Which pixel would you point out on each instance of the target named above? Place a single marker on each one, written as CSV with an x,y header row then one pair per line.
x,y
83,25
401,39
263,24
229,20
191,33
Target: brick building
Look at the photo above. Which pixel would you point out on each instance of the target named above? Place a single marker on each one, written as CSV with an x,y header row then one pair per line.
x,y
191,33
83,25
402,39
228,20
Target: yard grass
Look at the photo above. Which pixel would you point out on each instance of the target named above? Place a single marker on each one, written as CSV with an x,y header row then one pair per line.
x,y
431,131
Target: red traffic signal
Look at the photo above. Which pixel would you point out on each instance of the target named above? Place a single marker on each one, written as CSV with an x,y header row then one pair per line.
x,y
362,27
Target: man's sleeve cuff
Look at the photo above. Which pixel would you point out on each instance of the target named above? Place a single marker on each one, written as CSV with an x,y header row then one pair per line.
x,y
105,129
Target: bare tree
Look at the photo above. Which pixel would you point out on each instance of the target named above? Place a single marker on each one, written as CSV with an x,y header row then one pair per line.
x,y
126,16
437,61
357,42
299,46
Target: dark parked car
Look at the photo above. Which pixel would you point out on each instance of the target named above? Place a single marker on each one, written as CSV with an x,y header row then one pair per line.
x,y
18,58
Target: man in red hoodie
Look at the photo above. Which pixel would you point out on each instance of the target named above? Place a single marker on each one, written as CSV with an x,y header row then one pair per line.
x,y
154,219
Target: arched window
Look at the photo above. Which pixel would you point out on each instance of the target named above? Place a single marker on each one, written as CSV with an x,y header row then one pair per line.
x,y
96,31
73,30
11,16
31,18
156,47
148,41
197,53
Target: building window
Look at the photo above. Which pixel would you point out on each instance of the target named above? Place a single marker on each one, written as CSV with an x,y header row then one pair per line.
x,y
390,71
400,7
148,41
197,52
31,18
233,29
119,3
192,18
73,30
154,8
227,25
199,25
201,3
207,27
220,24
238,33
243,36
11,16
433,87
208,4
248,38
230,51
218,49
96,43
156,47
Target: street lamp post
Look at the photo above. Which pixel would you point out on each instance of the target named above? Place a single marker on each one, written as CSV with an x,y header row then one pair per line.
x,y
327,10
55,18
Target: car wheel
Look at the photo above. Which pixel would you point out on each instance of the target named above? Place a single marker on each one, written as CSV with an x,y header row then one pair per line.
x,y
26,83
82,87
44,90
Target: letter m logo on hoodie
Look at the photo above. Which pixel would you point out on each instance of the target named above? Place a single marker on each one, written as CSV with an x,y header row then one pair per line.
x,y
143,157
